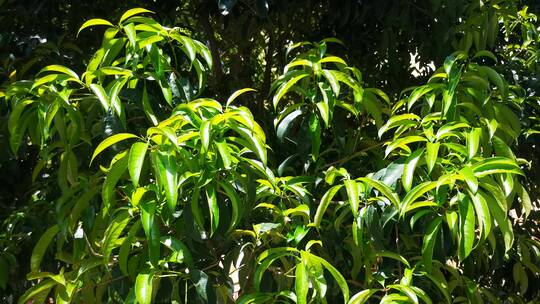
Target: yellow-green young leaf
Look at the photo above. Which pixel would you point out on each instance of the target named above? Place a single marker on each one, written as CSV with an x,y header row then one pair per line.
x,y
41,247
483,215
111,141
352,193
143,287
325,201
432,151
37,293
93,22
383,188
301,283
238,93
466,227
61,69
408,169
133,12
101,95
362,296
470,179
284,88
137,153
430,236
473,142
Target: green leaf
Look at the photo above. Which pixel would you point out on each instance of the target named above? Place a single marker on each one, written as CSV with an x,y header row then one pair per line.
x,y
286,123
151,230
235,203
494,165
167,172
410,166
137,153
473,142
213,207
340,280
144,287
466,227
301,283
132,37
383,188
420,190
61,69
94,22
225,153
125,248
148,108
133,12
41,247
406,290
397,121
495,78
101,95
432,151
238,93
362,296
113,176
325,201
315,133
525,199
482,214
205,134
202,286
500,216
352,193
470,179
393,256
38,292
111,141
284,88
115,228
428,244
402,143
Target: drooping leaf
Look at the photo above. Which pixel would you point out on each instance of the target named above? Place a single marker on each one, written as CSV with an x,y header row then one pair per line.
x,y
111,141
144,287
41,247
137,153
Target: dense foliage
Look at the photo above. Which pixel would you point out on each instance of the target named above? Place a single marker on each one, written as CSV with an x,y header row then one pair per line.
x,y
269,151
